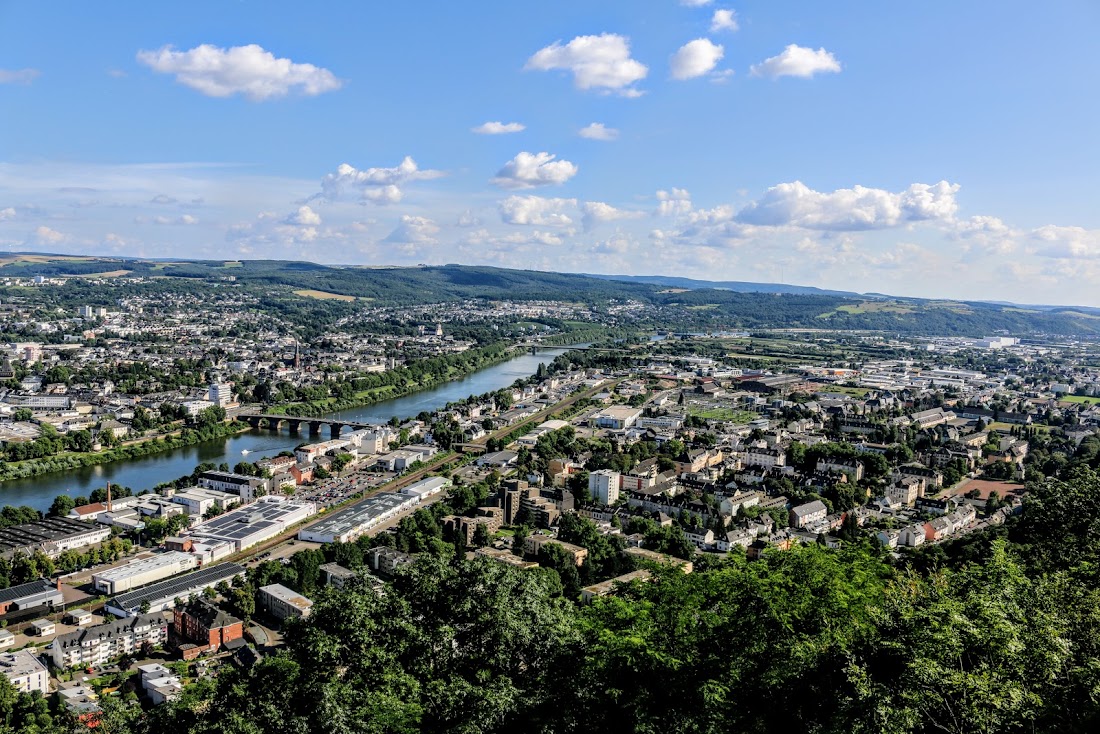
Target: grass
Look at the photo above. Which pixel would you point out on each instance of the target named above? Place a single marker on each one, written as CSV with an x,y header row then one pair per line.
x,y
1086,399
722,414
323,295
1005,428
233,264
703,307
876,307
108,274
857,392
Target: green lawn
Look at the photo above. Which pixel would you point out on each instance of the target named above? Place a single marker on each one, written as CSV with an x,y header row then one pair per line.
x,y
722,414
1079,399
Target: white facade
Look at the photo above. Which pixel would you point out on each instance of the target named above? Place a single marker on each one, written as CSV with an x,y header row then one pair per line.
x,y
144,571
220,393
25,671
603,485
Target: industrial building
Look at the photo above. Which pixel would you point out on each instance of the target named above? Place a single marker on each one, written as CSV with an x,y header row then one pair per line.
x,y
246,487
281,602
197,501
348,524
252,524
39,593
143,571
163,595
427,487
51,535
94,646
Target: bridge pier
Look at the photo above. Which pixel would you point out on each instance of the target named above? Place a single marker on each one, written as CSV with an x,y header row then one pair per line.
x,y
294,425
334,430
254,421
314,427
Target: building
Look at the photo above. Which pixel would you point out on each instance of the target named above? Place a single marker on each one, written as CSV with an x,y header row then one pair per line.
x,y
616,417
603,486
159,683
7,639
605,588
649,556
853,467
534,543
427,487
252,524
79,617
809,514
352,522
765,457
51,535
905,490
281,602
39,593
336,575
143,571
94,646
220,393
42,627
196,501
205,626
246,487
164,594
25,671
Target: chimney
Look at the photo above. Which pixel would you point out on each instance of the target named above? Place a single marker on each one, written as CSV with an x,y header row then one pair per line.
x,y
59,583
108,497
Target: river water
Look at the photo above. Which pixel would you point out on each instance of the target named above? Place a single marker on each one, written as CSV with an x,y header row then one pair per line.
x,y
146,472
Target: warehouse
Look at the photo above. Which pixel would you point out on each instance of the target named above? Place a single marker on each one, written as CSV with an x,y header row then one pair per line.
x,y
427,487
163,595
143,571
347,525
253,524
39,593
51,535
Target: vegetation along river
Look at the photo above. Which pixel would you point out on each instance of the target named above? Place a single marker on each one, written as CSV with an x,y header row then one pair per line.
x,y
148,471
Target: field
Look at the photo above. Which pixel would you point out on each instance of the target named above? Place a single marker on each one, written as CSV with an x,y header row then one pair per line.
x,y
1086,399
109,274
323,295
986,487
722,414
856,392
876,307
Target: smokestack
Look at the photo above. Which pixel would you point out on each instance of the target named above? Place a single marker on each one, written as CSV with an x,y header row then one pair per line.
x,y
59,583
108,497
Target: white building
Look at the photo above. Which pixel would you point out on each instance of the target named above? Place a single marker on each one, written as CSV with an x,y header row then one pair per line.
x,y
220,393
97,645
603,485
281,602
25,671
143,571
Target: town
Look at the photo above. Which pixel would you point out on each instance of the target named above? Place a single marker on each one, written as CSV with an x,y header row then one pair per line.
x,y
604,467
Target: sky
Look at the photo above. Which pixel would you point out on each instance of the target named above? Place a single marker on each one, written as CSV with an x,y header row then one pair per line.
x,y
941,149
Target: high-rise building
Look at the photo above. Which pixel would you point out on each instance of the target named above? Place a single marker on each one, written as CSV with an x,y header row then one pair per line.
x,y
221,393
603,485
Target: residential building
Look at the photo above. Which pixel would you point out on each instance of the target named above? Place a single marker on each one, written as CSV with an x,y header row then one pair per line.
x,y
281,602
25,671
809,514
94,646
603,486
205,626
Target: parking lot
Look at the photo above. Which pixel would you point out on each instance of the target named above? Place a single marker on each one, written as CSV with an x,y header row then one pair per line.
x,y
340,489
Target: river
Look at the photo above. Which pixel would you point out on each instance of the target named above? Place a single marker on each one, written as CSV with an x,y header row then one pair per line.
x,y
146,472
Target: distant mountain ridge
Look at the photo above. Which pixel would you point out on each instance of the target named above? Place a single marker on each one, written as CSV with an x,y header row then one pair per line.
x,y
738,286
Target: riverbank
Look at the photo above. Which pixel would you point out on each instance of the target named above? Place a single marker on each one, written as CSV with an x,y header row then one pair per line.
x,y
71,460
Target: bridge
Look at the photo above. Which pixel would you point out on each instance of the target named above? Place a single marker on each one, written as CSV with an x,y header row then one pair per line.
x,y
535,347
294,422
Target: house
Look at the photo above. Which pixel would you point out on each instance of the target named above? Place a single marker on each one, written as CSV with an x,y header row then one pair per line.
x,y
281,602
912,535
905,490
852,467
765,457
205,626
808,514
25,671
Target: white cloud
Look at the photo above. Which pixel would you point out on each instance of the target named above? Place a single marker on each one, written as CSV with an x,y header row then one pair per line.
x,y
859,208
598,131
498,128
377,185
597,212
674,202
414,230
305,217
18,76
528,170
536,210
1067,242
797,61
247,70
468,219
7,213
186,219
600,62
162,199
695,3
46,236
695,58
724,20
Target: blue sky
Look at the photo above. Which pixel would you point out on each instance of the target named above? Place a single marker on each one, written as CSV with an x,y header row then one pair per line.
x,y
939,149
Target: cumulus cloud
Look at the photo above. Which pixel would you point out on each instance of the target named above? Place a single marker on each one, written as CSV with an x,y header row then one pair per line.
x,y
528,170
859,208
674,202
1066,242
162,199
536,210
598,131
468,219
797,61
376,185
305,217
724,20
7,213
695,3
186,219
601,63
695,58
596,213
414,230
498,128
249,70
43,235
18,76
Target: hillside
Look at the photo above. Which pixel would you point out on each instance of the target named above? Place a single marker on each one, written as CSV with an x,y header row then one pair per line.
x,y
693,305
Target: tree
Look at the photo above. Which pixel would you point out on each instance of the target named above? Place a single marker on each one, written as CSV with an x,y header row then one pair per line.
x,y
22,415
62,505
481,535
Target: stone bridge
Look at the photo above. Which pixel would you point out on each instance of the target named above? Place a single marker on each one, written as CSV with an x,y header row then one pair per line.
x,y
294,422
